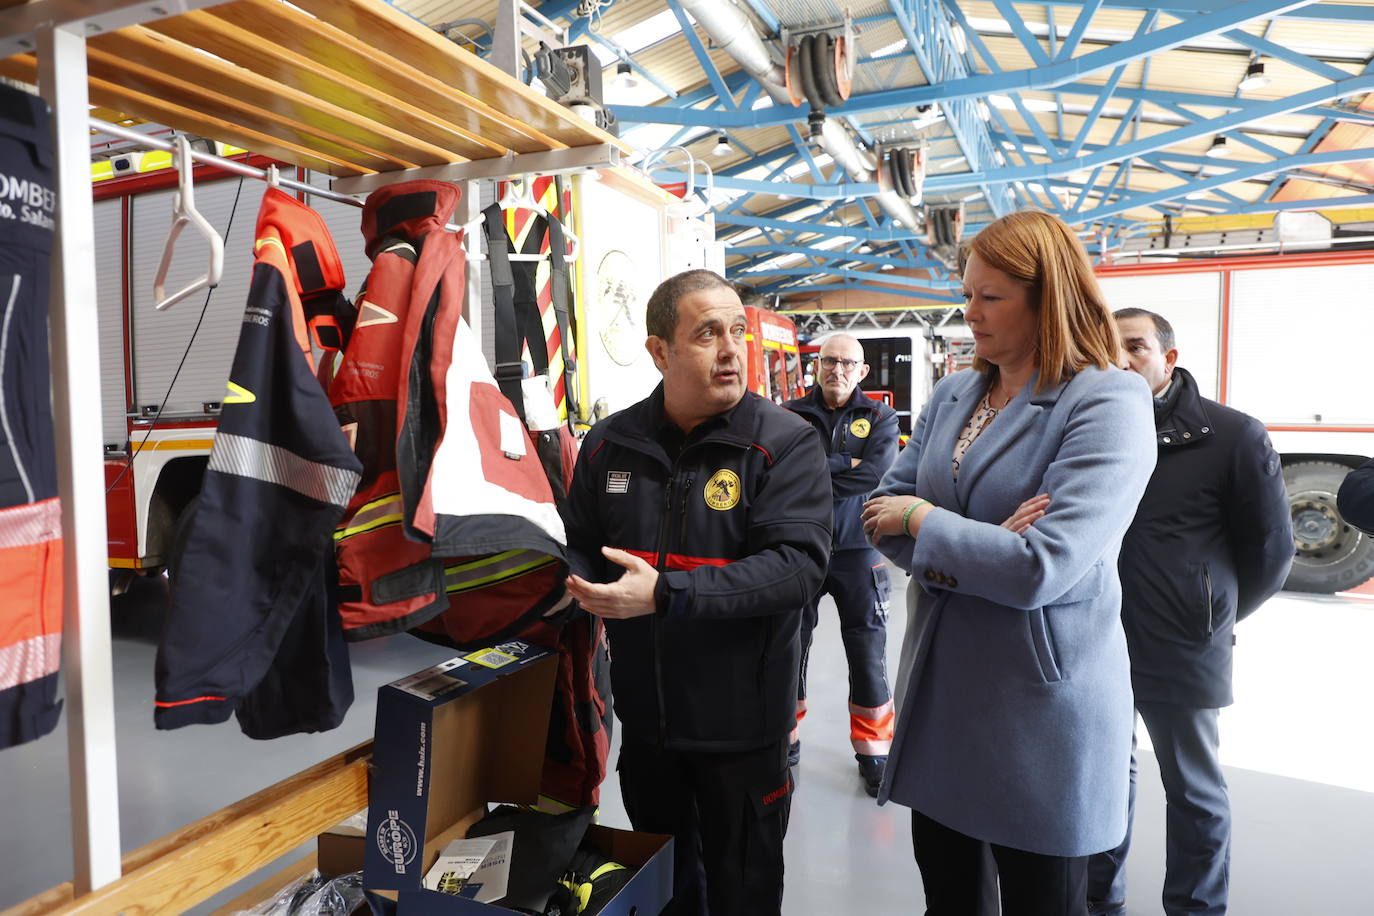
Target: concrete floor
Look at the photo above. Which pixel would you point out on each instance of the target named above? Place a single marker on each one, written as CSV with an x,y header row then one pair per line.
x,y
1297,745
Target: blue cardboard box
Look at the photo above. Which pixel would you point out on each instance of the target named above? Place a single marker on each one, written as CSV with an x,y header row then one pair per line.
x,y
449,740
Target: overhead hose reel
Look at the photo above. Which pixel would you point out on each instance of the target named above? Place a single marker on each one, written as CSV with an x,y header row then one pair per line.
x,y
903,170
944,225
819,70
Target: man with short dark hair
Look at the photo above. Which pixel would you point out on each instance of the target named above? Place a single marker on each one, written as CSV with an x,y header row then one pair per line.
x,y
1211,542
698,526
861,438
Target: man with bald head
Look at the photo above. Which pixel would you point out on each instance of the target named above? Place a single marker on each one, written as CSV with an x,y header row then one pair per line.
x,y
861,438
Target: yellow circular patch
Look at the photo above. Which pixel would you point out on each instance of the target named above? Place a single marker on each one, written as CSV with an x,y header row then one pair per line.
x,y
722,490
861,428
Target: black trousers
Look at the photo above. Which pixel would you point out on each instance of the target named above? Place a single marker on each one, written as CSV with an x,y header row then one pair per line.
x,y
727,813
959,874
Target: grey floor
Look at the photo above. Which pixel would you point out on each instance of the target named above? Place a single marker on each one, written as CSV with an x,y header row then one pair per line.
x,y
1298,747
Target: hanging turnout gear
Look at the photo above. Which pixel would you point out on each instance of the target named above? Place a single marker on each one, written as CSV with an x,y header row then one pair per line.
x,y
253,625
454,525
30,515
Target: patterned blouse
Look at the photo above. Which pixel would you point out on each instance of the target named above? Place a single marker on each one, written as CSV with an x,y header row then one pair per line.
x,y
983,414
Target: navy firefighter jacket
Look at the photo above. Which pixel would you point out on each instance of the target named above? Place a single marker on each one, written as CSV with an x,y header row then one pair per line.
x,y
738,523
859,428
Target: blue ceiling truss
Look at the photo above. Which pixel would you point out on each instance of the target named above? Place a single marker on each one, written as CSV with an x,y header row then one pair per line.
x,y
1080,125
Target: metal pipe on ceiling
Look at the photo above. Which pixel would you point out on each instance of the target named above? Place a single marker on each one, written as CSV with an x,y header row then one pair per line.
x,y
728,26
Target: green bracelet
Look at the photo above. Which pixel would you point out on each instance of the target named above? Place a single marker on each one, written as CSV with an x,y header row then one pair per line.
x,y
906,516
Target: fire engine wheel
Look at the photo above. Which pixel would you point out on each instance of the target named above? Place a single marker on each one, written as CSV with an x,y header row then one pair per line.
x,y
1332,555
180,535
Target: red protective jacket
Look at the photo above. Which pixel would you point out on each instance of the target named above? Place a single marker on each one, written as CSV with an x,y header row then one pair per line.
x,y
453,526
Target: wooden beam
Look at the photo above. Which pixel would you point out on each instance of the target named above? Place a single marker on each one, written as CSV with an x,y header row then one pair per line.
x,y
382,72
159,52
216,100
113,95
250,50
394,34
187,867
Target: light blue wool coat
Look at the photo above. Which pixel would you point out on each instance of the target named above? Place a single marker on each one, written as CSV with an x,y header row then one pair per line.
x,y
1014,693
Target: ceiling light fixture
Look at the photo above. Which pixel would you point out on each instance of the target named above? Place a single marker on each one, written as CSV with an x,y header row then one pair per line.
x,y
1195,195
1254,77
1218,149
722,147
624,76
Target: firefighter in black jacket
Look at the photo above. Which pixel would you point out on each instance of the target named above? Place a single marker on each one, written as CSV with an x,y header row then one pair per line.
x,y
1211,542
862,441
699,527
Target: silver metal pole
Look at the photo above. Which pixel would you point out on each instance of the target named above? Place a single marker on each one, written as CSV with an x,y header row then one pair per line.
x,y
229,165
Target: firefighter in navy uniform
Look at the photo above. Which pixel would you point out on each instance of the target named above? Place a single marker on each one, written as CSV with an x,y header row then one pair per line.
x,y
698,527
862,441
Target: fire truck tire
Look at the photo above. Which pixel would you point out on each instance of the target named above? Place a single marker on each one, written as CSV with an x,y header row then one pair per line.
x,y
180,535
1332,555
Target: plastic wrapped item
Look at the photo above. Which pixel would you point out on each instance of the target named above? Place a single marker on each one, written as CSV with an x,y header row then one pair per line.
x,y
314,895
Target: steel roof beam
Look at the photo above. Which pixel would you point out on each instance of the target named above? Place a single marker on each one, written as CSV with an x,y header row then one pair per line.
x,y
936,300
1317,12
1110,155
1023,34
1056,75
1080,25
1241,172
941,63
1279,52
902,280
752,258
708,66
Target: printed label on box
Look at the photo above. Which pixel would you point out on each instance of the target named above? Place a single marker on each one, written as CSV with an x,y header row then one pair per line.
x,y
490,658
433,682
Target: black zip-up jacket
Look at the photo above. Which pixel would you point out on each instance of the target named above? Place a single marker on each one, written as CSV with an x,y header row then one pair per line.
x,y
1211,541
738,523
859,428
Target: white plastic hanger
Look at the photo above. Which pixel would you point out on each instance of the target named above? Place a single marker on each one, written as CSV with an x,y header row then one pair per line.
x,y
184,212
691,205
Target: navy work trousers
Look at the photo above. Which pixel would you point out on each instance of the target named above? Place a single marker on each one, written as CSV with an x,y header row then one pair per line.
x,y
727,813
859,583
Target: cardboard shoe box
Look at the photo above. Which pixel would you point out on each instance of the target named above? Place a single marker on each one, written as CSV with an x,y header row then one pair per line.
x,y
454,737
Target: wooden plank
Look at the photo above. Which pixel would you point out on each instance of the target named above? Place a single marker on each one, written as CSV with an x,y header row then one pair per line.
x,y
184,868
250,50
392,73
382,71
394,34
211,102
113,95
148,48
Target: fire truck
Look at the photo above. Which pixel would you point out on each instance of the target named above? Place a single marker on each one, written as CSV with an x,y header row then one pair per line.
x,y
163,372
774,367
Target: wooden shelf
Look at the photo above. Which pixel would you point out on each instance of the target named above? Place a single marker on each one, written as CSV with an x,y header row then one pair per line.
x,y
345,87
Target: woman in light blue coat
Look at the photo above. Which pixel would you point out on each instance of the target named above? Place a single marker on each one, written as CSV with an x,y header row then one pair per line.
x,y
1008,507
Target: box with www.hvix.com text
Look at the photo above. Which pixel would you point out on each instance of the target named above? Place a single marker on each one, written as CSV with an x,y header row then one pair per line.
x,y
454,737
449,739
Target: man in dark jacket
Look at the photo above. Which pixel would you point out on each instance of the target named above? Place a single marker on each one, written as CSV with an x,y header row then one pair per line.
x,y
861,437
1356,497
1211,542
698,526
